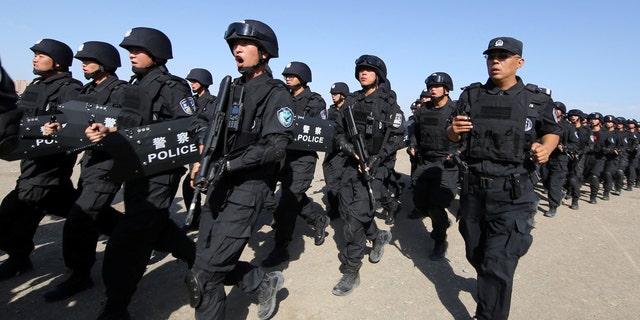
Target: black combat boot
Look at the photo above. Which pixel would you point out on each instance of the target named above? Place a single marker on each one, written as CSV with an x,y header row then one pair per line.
x,y
349,281
77,282
14,266
574,204
271,283
382,238
439,250
605,196
320,228
551,212
629,186
279,255
593,199
114,311
616,192
390,212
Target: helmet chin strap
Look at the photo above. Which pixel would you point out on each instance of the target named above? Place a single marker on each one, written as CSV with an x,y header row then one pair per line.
x,y
139,72
373,85
91,75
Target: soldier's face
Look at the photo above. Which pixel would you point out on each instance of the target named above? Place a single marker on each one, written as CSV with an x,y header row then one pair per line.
x,y
291,80
139,58
89,66
437,90
195,86
42,62
335,97
502,64
366,77
246,53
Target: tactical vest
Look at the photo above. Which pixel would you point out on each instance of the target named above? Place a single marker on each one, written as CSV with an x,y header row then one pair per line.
x,y
37,95
253,110
498,131
137,108
332,114
99,97
371,121
301,106
433,136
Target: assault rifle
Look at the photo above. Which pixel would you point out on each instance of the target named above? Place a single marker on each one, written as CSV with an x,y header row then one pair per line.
x,y
211,168
361,152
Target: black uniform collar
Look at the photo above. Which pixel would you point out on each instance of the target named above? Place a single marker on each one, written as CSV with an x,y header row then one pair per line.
x,y
493,89
53,77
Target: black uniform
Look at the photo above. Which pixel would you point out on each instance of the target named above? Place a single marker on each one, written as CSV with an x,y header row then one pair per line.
x,y
146,225
92,213
375,115
204,104
241,194
622,166
496,213
296,177
634,143
558,166
44,185
435,178
603,146
577,163
332,169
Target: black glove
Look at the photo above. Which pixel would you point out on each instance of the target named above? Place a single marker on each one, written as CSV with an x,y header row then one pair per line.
x,y
373,163
346,147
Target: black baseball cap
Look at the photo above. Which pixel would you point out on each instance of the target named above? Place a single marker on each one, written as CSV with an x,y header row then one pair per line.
x,y
505,43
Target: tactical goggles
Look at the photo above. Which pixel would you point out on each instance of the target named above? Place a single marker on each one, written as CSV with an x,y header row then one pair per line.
x,y
241,29
371,61
435,79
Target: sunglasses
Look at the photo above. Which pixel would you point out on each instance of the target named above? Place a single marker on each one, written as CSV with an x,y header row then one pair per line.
x,y
499,55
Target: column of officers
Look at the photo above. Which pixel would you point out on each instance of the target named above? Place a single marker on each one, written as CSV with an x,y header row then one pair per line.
x,y
491,148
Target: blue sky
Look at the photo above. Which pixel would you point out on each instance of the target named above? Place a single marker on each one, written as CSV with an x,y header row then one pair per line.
x,y
584,51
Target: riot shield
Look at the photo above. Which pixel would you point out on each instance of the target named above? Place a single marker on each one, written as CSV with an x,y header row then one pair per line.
x,y
312,134
32,142
79,115
150,149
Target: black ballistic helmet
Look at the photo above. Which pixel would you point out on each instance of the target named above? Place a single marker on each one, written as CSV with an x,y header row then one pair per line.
x,y
631,121
439,78
425,93
255,31
156,43
560,106
203,76
340,88
373,62
576,112
102,52
298,69
609,118
620,120
595,115
58,51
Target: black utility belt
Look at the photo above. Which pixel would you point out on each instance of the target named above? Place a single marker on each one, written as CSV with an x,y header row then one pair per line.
x,y
488,182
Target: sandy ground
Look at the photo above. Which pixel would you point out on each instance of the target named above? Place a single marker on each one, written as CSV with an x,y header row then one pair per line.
x,y
583,265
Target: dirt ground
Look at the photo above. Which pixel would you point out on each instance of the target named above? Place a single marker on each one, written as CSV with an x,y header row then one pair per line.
x,y
583,265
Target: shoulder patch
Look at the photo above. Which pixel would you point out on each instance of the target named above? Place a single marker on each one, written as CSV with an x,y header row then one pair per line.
x,y
188,105
285,117
397,120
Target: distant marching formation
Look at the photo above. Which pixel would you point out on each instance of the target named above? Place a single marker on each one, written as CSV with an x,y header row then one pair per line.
x,y
491,147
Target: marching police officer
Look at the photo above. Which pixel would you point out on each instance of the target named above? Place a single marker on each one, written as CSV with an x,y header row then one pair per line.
x,y
200,80
577,163
297,173
257,144
379,123
44,185
558,164
634,143
603,145
506,125
333,160
92,213
612,156
623,140
154,95
435,179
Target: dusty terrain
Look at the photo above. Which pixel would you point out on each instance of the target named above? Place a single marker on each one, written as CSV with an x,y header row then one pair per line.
x,y
583,265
